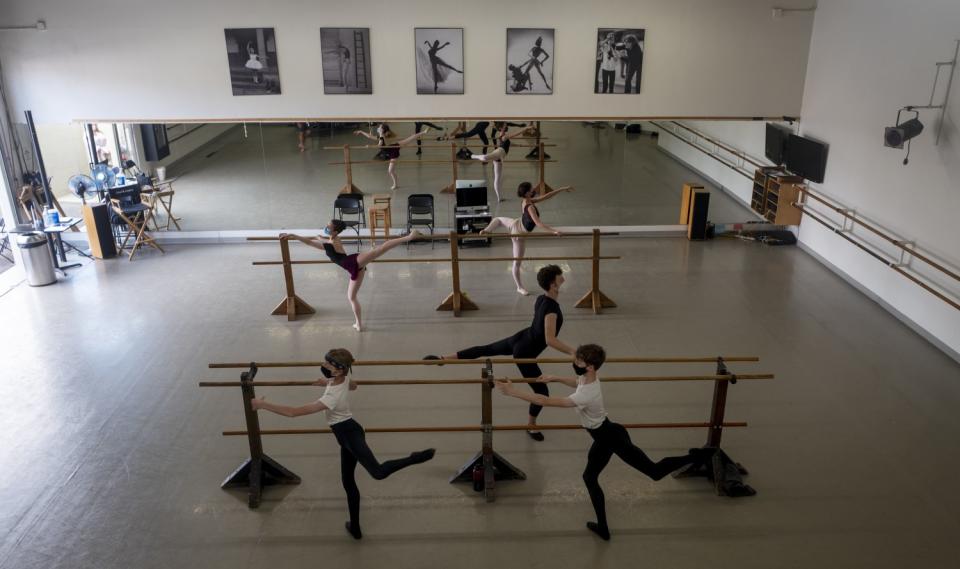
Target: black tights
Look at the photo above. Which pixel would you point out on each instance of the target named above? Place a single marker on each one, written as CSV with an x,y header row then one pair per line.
x,y
613,439
354,449
418,126
480,130
513,346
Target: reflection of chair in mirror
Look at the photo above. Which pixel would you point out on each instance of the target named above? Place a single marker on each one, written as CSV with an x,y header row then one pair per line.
x,y
350,204
380,217
5,241
420,205
131,217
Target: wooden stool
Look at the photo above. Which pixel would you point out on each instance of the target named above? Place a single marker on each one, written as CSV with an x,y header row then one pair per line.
x,y
387,199
379,217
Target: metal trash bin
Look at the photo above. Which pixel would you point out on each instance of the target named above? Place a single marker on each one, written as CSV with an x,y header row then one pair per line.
x,y
35,256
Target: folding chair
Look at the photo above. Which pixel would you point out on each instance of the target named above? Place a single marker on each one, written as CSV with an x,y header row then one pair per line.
x,y
350,204
420,205
136,219
5,241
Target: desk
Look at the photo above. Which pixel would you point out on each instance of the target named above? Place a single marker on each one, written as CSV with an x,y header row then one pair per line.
x,y
66,223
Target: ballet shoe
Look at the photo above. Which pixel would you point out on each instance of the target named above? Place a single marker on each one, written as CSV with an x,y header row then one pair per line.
x,y
357,534
357,327
604,533
422,456
536,435
431,357
523,292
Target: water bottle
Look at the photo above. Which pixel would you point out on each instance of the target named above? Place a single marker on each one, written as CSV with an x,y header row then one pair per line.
x,y
121,179
478,478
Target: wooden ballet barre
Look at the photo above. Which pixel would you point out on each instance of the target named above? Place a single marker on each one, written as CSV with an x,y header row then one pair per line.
x,y
428,161
441,260
486,235
566,360
614,379
479,428
425,145
260,469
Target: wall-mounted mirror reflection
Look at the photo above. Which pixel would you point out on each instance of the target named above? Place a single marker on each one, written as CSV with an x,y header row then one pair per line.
x,y
246,176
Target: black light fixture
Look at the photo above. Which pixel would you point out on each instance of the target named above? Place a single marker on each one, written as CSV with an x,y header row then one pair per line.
x,y
903,132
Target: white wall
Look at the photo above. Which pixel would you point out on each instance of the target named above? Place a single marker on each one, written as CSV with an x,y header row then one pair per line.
x,y
867,59
747,137
142,60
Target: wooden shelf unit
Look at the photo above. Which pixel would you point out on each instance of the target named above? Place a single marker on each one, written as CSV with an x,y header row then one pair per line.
x,y
774,190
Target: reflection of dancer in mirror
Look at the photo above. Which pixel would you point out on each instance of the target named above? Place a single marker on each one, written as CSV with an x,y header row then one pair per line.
x,y
354,264
350,435
609,438
537,63
254,64
501,148
392,151
528,221
418,126
438,65
343,54
303,131
479,130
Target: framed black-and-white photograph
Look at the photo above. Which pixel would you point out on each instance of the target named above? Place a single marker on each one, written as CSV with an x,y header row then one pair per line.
x,y
345,57
252,59
530,59
619,60
439,54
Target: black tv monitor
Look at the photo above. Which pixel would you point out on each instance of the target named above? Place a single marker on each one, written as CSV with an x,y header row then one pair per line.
x,y
471,193
776,140
806,157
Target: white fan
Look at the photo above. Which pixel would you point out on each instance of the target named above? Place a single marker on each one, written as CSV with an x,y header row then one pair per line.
x,y
83,187
104,175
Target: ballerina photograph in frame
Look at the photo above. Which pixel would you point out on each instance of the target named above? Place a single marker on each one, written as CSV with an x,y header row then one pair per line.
x,y
439,60
252,60
345,61
530,57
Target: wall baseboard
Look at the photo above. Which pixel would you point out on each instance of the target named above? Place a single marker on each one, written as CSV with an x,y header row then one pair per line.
x,y
950,352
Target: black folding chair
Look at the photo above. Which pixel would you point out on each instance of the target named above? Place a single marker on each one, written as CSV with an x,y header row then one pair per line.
x,y
350,204
420,205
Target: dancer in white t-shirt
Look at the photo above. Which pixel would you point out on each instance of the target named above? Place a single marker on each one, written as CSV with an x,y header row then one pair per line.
x,y
353,445
609,438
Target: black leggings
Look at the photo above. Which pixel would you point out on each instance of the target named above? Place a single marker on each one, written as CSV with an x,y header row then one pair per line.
x,y
418,126
354,449
516,347
479,130
608,80
633,77
613,439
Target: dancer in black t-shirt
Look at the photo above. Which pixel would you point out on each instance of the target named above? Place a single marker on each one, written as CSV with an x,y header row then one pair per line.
x,y
529,342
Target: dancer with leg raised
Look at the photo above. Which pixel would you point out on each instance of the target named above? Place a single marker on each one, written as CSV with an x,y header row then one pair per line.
x,y
391,152
349,433
609,438
355,264
529,342
501,143
528,221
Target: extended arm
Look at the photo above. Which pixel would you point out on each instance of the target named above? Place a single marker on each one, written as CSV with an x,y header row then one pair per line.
x,y
287,410
529,131
507,388
315,242
568,381
550,325
551,193
443,46
365,134
411,138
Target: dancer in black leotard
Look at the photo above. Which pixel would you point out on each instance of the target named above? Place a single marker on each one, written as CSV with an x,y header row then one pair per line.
x,y
609,438
502,147
350,435
529,220
436,63
478,130
391,151
418,126
529,342
354,264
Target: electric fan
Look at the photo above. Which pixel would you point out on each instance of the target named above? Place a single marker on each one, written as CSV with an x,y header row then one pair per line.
x,y
104,175
83,187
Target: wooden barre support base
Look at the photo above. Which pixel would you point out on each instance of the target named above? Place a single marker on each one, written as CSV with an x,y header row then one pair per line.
x,y
615,379
567,360
479,428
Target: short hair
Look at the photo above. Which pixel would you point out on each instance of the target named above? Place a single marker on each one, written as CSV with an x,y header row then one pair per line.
x,y
338,225
523,188
342,357
592,355
547,275
386,130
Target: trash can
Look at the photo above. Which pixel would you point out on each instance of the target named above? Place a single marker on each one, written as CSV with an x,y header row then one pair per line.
x,y
35,255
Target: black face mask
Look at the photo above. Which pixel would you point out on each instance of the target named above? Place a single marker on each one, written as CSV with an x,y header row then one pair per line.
x,y
326,373
579,370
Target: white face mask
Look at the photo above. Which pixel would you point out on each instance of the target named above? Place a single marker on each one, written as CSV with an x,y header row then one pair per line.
x,y
325,232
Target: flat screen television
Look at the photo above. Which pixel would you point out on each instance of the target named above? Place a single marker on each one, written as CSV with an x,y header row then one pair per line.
x,y
806,157
776,140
